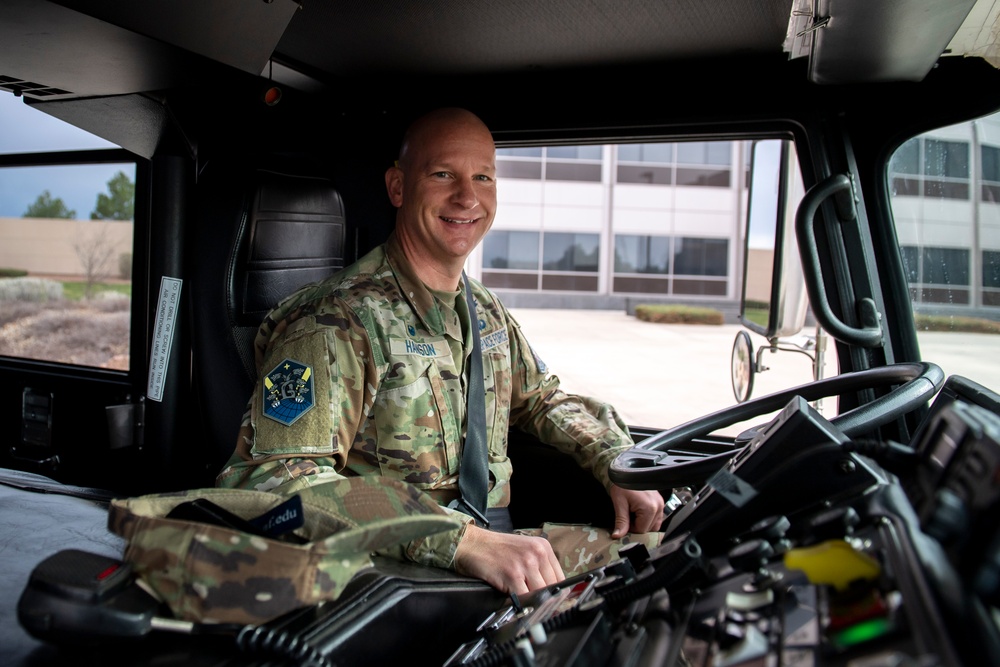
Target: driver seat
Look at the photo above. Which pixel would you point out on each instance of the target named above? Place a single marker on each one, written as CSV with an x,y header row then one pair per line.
x,y
265,233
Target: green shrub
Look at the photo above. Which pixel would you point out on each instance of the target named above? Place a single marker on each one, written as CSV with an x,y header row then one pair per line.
x,y
955,323
30,289
12,273
75,291
677,314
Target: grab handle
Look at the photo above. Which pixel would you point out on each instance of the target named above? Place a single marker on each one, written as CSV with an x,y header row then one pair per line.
x,y
839,186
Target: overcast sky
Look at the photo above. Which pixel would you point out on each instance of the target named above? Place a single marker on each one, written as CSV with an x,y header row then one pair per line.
x,y
24,129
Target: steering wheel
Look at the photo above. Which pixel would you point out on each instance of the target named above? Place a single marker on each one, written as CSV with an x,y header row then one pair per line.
x,y
666,460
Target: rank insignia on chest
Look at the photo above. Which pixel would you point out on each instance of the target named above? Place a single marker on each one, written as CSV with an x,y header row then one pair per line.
x,y
288,392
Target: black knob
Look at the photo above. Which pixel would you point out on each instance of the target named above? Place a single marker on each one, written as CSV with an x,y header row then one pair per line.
x,y
750,556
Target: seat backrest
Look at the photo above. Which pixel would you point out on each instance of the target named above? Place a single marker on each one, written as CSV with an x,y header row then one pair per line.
x,y
261,235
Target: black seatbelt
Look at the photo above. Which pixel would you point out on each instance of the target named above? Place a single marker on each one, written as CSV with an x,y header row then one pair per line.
x,y
473,477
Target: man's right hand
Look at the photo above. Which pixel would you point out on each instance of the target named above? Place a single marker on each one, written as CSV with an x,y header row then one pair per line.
x,y
510,563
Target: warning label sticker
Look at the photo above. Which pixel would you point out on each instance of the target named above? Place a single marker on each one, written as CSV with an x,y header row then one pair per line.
x,y
731,487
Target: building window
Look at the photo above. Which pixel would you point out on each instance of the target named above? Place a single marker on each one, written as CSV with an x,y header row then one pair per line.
x,y
569,262
701,257
670,265
706,261
646,163
991,268
511,250
552,163
932,168
937,275
990,176
642,254
991,277
642,264
695,163
510,260
571,252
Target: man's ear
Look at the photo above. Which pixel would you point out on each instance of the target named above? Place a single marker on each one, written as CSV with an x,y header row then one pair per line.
x,y
394,185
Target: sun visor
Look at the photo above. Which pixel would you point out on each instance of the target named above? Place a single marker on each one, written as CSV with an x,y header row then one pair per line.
x,y
851,41
233,32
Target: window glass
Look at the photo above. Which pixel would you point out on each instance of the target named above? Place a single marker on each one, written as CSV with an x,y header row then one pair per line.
x,y
945,266
510,250
526,151
906,160
560,163
66,235
991,163
662,153
562,171
911,263
991,268
697,163
574,152
571,252
991,174
642,254
25,129
934,168
946,158
519,169
946,208
630,173
704,152
701,257
718,152
603,251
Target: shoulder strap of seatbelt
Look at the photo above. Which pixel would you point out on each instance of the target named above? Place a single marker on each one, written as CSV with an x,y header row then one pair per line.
x,y
473,477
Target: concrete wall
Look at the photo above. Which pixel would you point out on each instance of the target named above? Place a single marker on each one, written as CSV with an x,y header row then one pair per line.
x,y
43,246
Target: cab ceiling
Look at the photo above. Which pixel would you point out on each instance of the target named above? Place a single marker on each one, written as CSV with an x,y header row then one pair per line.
x,y
82,48
107,47
105,64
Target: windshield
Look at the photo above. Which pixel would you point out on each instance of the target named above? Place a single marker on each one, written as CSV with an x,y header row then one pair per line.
x,y
945,187
623,264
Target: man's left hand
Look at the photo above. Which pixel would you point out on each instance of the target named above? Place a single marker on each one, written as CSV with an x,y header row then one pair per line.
x,y
636,511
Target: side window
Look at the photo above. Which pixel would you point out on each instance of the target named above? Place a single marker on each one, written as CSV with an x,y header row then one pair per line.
x,y
66,225
945,187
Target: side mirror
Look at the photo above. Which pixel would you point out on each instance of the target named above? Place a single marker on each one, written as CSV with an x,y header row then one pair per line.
x,y
774,300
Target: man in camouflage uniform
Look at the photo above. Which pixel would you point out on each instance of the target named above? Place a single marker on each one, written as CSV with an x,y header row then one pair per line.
x,y
364,374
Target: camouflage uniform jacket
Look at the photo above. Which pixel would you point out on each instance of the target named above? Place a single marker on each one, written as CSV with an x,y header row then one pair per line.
x,y
386,366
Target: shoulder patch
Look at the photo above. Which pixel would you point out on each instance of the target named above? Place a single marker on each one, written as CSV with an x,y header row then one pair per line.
x,y
288,392
539,364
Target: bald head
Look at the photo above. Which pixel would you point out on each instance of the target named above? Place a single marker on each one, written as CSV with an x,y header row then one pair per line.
x,y
435,126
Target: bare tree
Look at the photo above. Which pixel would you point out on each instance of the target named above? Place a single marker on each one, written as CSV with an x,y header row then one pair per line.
x,y
94,246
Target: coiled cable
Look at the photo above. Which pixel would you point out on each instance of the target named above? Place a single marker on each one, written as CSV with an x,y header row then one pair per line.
x,y
272,642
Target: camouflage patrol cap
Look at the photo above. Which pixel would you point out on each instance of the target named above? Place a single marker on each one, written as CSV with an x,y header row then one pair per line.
x,y
211,573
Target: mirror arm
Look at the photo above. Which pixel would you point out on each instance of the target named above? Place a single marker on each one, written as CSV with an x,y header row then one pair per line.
x,y
839,187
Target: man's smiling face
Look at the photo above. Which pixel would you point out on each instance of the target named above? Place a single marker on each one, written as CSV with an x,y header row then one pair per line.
x,y
445,189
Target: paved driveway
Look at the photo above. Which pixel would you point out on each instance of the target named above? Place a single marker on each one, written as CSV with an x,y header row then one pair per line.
x,y
662,375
